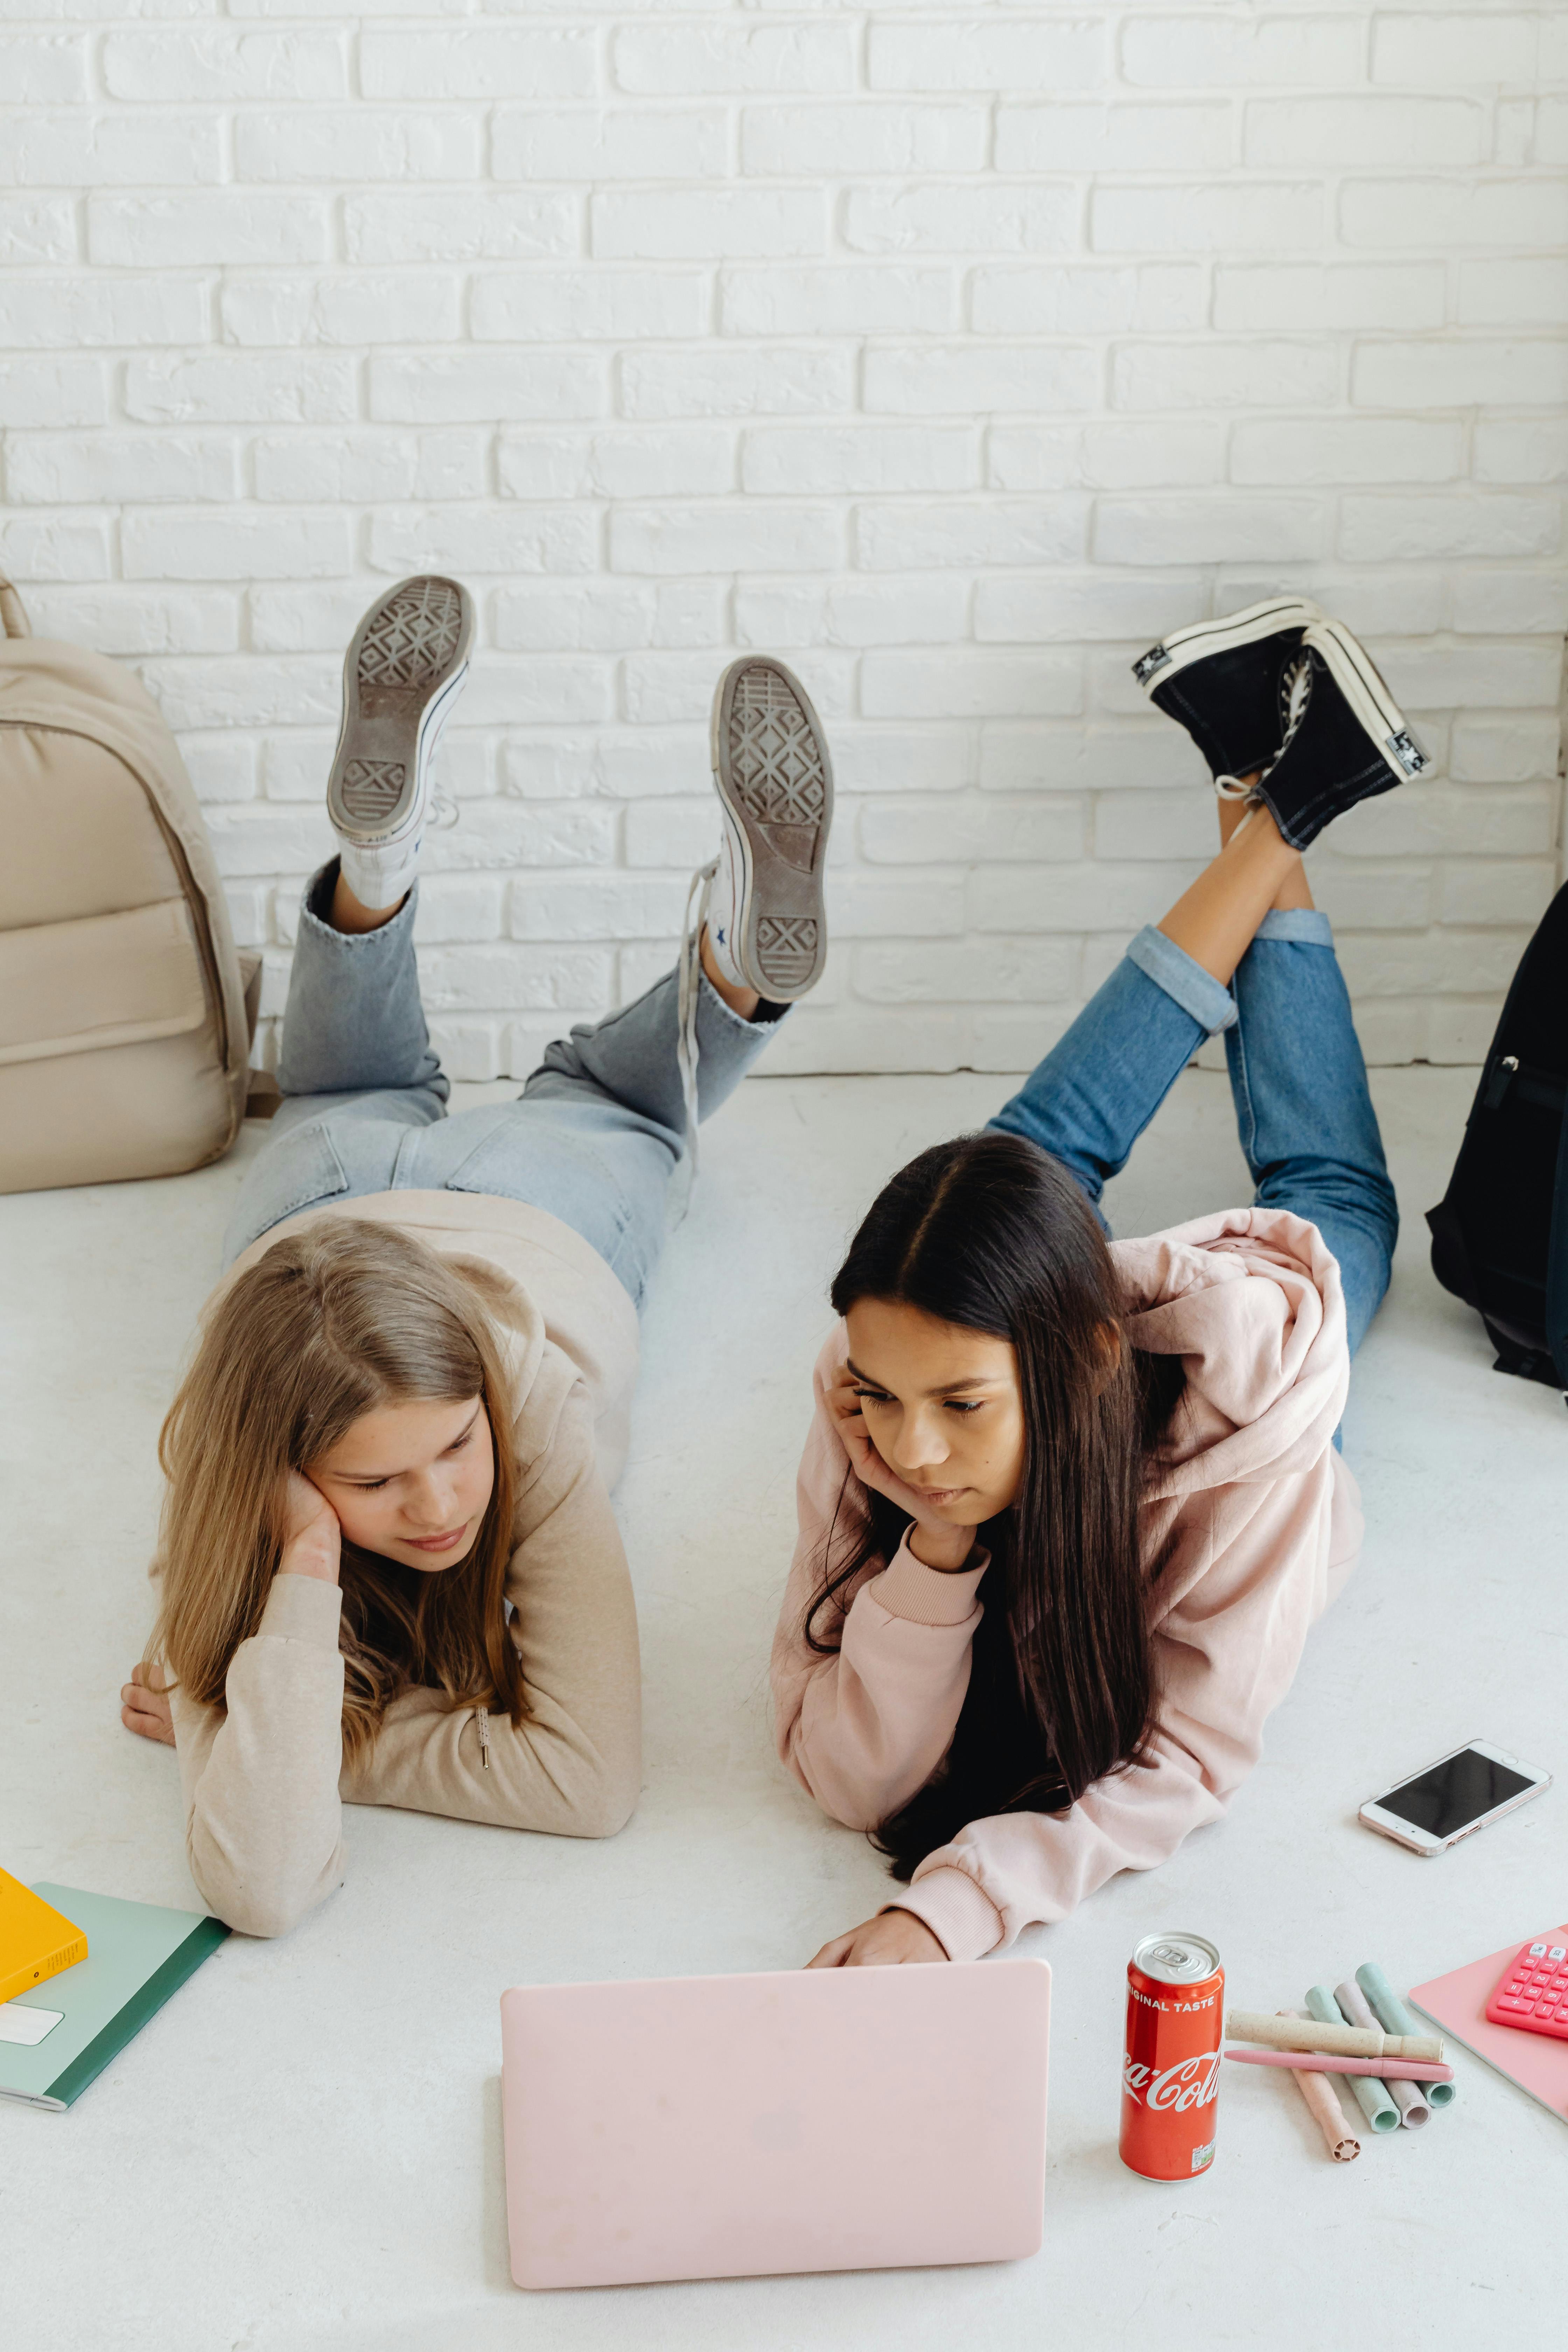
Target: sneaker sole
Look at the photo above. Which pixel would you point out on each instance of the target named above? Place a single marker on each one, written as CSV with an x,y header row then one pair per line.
x,y
1183,646
773,773
404,666
1358,679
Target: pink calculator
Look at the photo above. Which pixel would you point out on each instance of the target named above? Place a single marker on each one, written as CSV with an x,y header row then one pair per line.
x,y
1533,1991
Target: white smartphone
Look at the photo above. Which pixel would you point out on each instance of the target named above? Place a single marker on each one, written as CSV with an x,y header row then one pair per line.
x,y
1461,1793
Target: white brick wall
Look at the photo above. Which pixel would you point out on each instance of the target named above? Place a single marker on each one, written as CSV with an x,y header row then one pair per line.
x,y
953,350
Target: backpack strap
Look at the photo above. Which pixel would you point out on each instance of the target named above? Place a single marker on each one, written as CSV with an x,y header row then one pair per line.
x,y
1557,1268
13,612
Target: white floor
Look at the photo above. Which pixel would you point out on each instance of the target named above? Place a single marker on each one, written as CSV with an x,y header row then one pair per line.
x,y
304,2148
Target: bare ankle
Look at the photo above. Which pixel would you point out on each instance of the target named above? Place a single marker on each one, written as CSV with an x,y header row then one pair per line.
x,y
743,1001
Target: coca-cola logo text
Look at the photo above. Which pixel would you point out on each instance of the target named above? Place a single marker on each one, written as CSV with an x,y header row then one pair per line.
x,y
1190,2082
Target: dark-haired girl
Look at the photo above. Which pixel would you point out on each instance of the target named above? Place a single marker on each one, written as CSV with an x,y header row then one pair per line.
x,y
1068,1506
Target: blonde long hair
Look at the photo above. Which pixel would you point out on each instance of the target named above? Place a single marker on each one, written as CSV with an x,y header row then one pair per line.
x,y
336,1320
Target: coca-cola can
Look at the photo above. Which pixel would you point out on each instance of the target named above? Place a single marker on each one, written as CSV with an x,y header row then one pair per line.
x,y
1170,2064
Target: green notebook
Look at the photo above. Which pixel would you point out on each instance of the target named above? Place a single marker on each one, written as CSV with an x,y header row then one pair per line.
x,y
57,2040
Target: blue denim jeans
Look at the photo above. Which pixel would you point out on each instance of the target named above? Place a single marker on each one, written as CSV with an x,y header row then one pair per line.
x,y
594,1137
1297,1076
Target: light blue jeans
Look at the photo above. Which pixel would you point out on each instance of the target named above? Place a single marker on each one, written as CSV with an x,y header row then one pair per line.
x,y
1297,1076
594,1137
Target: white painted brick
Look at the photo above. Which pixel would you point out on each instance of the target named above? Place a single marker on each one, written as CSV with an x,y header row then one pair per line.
x,y
544,306
964,379
1515,375
658,689
1302,295
1054,898
1550,142
1113,455
80,311
1487,751
1208,530
1394,964
607,615
690,60
105,151
1472,50
1025,971
246,692
265,840
467,979
1095,758
1113,137
593,906
671,833
229,225
1295,130
498,835
132,621
233,546
37,229
369,466
725,538
896,538
1521,449
971,685
468,1049
1454,677
628,462
794,142
701,224
458,224
457,908
1512,293
249,908
957,831
1462,1032
1247,374
1464,211
485,386
357,308
715,380
1489,522
580,144
974,55
1072,608
1511,604
853,458
1371,897
883,906
836,301
250,391
1332,449
926,759
1165,49
877,611
65,469
463,538
54,547
1394,603
1070,298
1178,822
1496,891
1239,215
484,62
43,69
193,64
951,217
328,143
570,689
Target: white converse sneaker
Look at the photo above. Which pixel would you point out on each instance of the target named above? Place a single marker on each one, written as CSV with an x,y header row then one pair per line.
x,y
402,674
774,781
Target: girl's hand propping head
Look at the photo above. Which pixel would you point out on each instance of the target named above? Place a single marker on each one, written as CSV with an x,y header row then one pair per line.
x,y
893,1939
312,1533
144,1706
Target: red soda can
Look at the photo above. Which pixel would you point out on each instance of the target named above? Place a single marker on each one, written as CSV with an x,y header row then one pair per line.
x,y
1169,2065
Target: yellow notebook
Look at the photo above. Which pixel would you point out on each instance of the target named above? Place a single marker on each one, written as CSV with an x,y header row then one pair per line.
x,y
36,1940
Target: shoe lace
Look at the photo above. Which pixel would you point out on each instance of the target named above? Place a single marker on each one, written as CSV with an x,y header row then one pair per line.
x,y
1295,694
444,814
689,971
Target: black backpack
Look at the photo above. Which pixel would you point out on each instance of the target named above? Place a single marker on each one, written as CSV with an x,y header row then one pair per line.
x,y
1500,1235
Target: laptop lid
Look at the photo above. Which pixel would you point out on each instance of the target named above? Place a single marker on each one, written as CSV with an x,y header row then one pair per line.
x,y
808,2120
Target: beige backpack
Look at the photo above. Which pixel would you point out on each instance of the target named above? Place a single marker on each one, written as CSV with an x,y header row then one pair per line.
x,y
124,1024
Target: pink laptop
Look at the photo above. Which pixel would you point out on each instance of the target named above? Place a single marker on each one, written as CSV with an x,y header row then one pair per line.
x,y
820,2119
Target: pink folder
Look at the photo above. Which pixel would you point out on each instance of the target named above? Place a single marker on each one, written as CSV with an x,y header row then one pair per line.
x,y
1536,2062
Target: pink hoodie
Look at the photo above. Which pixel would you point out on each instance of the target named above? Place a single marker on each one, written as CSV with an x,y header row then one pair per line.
x,y
1257,1523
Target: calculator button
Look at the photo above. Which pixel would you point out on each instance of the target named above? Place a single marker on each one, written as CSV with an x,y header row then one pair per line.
x,y
1507,2003
1558,1952
1544,2007
1538,1951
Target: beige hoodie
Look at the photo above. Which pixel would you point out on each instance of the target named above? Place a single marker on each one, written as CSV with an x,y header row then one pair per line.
x,y
1256,1519
264,1778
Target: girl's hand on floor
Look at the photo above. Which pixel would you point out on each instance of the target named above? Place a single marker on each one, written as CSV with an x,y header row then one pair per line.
x,y
950,1544
893,1939
144,1706
312,1535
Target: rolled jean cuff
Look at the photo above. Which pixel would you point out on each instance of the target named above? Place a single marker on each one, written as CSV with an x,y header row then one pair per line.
x,y
316,907
1197,991
1302,927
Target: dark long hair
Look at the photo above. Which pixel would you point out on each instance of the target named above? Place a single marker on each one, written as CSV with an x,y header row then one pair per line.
x,y
990,1233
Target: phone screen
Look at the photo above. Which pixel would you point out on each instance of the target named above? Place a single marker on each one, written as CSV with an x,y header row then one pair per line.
x,y
1457,1790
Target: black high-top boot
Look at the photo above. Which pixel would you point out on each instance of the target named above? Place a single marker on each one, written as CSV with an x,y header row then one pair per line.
x,y
1221,681
1345,739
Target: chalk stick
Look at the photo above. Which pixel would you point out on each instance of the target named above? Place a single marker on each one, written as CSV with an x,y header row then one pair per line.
x,y
1347,2041
1408,2096
1394,2018
1370,2094
1327,2114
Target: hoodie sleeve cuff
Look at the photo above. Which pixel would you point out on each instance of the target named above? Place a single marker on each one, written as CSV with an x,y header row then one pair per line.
x,y
303,1608
927,1596
963,1918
